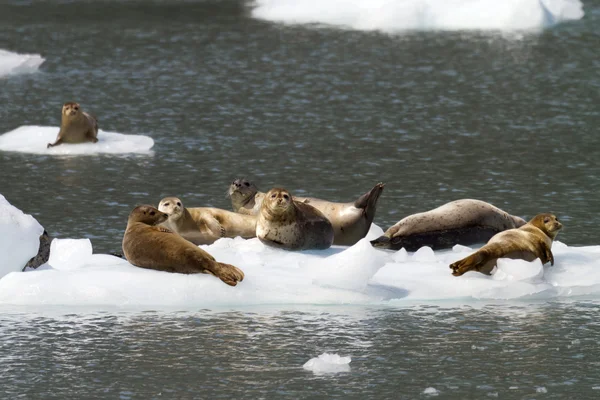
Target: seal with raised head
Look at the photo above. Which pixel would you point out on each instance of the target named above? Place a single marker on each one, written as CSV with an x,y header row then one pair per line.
x,y
464,222
351,221
291,225
204,225
148,245
76,126
532,240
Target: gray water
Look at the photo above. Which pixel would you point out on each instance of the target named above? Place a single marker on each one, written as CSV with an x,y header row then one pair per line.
x,y
511,119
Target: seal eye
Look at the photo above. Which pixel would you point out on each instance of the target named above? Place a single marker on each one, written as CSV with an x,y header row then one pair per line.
x,y
273,195
246,184
166,204
179,204
285,196
152,213
546,220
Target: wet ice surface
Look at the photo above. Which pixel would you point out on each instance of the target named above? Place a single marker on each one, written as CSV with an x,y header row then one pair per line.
x,y
14,63
395,16
35,139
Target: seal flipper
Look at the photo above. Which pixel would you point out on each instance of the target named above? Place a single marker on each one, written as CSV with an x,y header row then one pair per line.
x,y
382,242
368,200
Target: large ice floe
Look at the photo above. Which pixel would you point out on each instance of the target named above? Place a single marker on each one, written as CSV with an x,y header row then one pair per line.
x,y
401,15
356,275
15,63
35,139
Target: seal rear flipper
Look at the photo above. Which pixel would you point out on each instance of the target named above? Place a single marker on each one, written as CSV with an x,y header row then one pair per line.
x,y
473,262
368,201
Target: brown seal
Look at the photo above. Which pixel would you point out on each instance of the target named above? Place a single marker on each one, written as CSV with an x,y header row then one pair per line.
x,y
351,221
155,247
464,222
76,126
204,225
532,240
288,224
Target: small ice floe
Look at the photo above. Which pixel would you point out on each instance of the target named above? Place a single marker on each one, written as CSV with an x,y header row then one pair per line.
x,y
15,63
328,363
34,139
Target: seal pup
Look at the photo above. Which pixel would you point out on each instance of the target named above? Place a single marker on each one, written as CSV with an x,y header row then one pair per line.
x,y
464,221
76,126
532,240
147,245
292,225
351,221
204,225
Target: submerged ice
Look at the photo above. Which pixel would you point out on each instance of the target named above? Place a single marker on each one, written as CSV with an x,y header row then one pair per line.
x,y
328,363
34,139
394,16
15,63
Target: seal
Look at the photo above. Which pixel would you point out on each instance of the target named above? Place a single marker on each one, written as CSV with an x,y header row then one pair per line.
x,y
351,221
532,240
147,245
464,222
204,225
291,225
76,126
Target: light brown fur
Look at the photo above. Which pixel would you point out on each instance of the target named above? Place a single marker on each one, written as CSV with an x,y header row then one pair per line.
x,y
292,225
76,126
147,245
204,225
351,221
532,240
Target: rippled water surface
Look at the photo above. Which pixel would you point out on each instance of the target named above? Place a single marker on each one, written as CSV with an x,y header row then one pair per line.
x,y
497,351
510,118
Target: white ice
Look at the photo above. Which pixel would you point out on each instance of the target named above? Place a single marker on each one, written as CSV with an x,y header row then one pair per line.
x,y
14,63
400,15
19,237
359,275
328,363
35,139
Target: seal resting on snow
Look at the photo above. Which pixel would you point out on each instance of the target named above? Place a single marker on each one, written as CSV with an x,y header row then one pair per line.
x,y
465,222
351,221
147,245
204,225
532,240
288,224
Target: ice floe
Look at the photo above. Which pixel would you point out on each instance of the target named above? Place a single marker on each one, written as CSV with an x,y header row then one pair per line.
x,y
15,63
35,139
328,363
401,15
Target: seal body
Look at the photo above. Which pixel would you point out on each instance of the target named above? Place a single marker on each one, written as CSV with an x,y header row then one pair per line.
x,y
288,224
465,222
76,126
147,245
204,225
351,221
530,241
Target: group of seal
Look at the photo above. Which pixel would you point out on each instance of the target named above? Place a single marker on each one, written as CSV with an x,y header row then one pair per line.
x,y
76,126
163,238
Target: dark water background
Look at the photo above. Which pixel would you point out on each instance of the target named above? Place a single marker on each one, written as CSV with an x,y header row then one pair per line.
x,y
510,119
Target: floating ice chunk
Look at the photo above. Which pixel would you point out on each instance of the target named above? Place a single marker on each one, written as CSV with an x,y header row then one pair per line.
x,y
66,254
14,63
518,270
19,237
459,248
394,16
431,391
35,139
400,256
328,363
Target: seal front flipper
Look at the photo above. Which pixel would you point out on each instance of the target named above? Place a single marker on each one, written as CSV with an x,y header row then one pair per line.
x,y
228,273
382,242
